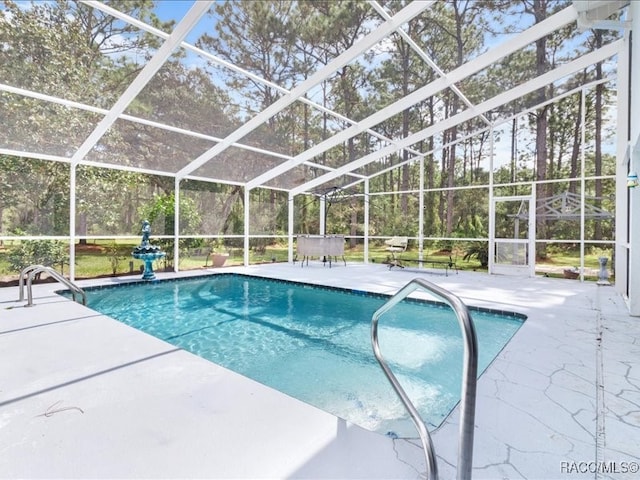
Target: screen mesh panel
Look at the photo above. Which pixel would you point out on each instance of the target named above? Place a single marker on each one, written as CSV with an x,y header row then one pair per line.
x,y
237,165
283,133
393,215
297,176
345,214
72,51
34,197
510,253
186,93
117,206
208,208
37,126
306,218
471,213
144,146
268,212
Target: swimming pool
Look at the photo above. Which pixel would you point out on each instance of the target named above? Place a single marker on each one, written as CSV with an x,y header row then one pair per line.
x,y
313,343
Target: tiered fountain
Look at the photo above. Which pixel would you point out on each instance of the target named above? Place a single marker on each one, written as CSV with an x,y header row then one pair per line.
x,y
147,253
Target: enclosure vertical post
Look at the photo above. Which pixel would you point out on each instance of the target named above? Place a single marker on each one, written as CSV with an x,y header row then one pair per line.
x,y
623,153
366,221
492,221
533,201
322,211
582,182
421,212
72,222
246,226
291,226
633,195
176,226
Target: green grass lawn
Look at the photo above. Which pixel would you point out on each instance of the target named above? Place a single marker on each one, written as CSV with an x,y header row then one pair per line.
x,y
100,258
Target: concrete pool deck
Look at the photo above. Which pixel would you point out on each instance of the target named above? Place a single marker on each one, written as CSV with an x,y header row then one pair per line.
x,y
84,396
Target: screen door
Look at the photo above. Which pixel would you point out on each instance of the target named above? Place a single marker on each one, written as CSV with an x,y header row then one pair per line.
x,y
512,242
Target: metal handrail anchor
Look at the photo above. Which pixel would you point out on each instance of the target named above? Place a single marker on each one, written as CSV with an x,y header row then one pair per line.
x,y
33,270
469,377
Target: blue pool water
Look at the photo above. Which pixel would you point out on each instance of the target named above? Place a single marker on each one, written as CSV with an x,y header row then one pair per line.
x,y
314,343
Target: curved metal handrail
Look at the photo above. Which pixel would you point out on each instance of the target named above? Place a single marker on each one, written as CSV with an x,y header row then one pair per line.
x,y
21,281
469,377
33,270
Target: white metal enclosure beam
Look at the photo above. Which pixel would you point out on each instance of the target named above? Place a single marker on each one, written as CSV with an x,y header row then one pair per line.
x,y
141,121
525,38
384,30
72,222
223,63
623,168
594,13
425,58
501,99
632,197
166,49
495,123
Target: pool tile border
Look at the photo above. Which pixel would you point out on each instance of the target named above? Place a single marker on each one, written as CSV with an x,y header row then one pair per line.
x,y
506,313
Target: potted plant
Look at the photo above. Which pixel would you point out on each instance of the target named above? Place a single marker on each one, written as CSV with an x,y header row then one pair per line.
x,y
218,254
571,273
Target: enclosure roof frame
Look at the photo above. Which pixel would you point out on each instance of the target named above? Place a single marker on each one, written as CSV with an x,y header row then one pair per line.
x,y
587,14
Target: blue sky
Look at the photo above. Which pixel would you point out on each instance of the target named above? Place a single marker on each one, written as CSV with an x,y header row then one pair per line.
x,y
176,10
172,9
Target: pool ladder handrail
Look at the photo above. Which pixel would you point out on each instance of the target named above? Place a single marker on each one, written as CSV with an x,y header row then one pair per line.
x,y
469,378
32,270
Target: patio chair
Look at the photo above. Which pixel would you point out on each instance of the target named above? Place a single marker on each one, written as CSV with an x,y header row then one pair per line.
x,y
396,245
